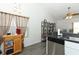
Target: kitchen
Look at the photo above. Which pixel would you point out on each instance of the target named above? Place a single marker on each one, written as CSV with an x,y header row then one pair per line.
x,y
66,32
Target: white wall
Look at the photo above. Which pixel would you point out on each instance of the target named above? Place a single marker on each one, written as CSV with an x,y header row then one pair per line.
x,y
36,13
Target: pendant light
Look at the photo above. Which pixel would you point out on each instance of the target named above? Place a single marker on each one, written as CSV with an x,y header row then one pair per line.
x,y
70,14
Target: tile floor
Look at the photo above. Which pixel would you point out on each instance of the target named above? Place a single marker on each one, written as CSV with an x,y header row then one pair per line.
x,y
39,49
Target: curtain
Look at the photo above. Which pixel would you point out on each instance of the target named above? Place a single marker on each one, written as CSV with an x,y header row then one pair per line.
x,y
0,25
5,21
21,22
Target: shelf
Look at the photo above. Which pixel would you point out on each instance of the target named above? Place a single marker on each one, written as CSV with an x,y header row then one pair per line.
x,y
8,47
9,51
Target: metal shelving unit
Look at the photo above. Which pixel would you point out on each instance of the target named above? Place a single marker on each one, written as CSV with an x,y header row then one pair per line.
x,y
47,29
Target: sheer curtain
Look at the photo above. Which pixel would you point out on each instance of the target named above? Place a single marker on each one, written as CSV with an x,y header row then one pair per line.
x,y
5,21
21,22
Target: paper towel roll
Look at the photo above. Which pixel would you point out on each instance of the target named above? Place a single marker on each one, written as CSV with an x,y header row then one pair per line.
x,y
59,32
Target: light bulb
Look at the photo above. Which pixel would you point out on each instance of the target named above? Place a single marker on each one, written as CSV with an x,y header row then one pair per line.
x,y
67,17
70,17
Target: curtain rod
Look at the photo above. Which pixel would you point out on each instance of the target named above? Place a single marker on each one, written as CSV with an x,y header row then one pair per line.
x,y
14,14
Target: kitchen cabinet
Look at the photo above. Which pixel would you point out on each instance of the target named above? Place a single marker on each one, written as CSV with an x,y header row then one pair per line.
x,y
56,46
72,48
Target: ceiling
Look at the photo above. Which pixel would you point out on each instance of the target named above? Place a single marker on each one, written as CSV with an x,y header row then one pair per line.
x,y
58,10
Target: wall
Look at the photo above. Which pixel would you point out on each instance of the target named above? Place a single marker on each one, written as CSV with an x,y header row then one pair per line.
x,y
36,14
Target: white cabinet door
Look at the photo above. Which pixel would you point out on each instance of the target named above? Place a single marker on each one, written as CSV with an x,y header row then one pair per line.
x,y
71,48
71,51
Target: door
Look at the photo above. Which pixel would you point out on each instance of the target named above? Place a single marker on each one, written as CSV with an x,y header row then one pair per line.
x,y
17,45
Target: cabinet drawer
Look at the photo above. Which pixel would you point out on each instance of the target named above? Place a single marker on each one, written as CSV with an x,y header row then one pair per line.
x,y
74,38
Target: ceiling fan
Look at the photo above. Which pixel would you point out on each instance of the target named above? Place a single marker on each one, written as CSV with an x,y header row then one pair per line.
x,y
70,14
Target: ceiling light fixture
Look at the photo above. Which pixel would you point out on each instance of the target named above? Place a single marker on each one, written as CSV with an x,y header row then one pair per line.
x,y
70,14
